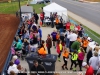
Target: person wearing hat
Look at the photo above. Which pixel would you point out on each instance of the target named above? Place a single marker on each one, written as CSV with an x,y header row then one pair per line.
x,y
94,62
89,70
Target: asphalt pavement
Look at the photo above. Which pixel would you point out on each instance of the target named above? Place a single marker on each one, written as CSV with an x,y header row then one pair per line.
x,y
88,11
58,69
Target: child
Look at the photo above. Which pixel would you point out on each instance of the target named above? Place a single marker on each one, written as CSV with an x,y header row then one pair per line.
x,y
81,56
65,58
74,57
59,49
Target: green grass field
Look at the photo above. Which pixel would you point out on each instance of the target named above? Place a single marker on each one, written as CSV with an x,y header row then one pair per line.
x,y
95,36
11,8
37,7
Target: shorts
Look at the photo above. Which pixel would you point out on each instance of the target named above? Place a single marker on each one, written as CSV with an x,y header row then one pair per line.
x,y
63,44
54,39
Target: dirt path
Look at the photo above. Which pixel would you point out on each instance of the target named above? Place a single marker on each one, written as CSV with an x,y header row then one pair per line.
x,y
8,27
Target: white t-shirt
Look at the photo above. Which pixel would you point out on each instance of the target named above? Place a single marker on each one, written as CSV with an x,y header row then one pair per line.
x,y
13,68
72,37
23,18
99,55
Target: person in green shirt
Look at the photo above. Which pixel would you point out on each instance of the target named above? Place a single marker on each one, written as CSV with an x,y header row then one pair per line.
x,y
18,46
72,27
75,46
74,57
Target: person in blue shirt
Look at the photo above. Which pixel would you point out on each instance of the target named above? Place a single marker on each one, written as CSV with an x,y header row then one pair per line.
x,y
40,33
53,34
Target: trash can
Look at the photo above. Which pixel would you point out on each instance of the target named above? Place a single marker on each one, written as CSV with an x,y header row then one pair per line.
x,y
48,62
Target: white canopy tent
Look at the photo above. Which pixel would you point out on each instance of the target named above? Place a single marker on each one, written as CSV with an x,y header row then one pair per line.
x,y
54,7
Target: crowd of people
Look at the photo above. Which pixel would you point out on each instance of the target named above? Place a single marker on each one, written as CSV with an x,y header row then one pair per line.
x,y
71,44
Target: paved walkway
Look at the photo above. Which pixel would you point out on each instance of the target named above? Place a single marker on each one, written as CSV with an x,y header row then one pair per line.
x,y
46,31
85,22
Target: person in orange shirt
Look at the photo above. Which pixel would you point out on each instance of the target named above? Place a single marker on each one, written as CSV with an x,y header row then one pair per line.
x,y
57,20
57,23
85,43
79,39
57,36
42,50
65,58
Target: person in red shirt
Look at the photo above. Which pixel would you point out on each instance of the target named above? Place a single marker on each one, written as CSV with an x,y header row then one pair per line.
x,y
42,17
68,25
89,70
79,27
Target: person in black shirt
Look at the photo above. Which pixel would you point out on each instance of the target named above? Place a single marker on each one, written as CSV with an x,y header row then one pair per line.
x,y
25,47
61,26
62,38
89,55
52,20
38,68
36,17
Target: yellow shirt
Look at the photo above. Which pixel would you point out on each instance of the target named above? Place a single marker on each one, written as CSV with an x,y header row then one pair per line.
x,y
60,45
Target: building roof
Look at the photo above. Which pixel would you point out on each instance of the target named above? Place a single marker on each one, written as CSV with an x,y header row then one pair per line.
x,y
26,9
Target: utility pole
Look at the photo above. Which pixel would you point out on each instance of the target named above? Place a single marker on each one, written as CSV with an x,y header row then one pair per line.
x,y
20,10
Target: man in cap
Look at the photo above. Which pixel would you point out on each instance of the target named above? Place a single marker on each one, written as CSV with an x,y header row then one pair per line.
x,y
89,70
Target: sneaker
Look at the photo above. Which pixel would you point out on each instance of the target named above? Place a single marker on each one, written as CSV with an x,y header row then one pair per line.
x,y
80,70
55,47
59,60
66,68
71,68
74,69
63,67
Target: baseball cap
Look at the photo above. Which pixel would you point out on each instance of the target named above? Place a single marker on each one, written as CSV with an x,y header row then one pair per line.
x,y
84,64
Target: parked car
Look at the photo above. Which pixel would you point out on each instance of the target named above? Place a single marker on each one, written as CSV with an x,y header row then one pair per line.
x,y
47,1
40,1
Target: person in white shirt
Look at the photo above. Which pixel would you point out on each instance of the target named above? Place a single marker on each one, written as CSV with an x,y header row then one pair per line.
x,y
72,37
94,62
66,38
12,67
23,18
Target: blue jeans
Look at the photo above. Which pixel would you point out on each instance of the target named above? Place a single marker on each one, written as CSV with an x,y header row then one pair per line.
x,y
61,30
71,50
67,43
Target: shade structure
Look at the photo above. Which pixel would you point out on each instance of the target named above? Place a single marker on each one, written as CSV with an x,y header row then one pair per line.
x,y
54,7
